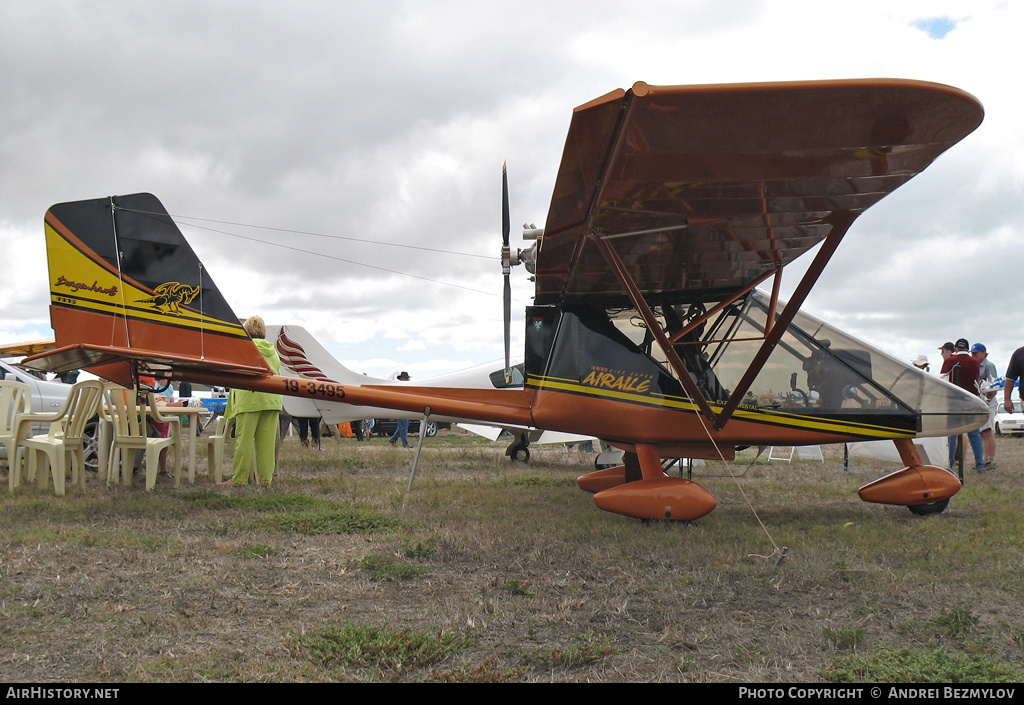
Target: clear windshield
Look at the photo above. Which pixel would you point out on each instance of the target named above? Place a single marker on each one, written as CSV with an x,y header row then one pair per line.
x,y
818,368
815,369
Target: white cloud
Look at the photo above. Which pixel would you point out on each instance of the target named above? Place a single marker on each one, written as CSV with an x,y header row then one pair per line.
x,y
412,345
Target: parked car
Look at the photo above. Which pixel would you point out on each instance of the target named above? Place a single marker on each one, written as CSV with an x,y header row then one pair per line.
x,y
47,398
386,427
1009,423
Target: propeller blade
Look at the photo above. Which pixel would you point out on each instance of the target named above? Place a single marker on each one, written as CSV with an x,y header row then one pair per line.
x,y
508,328
506,268
505,220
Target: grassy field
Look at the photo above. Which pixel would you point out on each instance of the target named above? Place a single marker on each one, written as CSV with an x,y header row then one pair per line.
x,y
493,571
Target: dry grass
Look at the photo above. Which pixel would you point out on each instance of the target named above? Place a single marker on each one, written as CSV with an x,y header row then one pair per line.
x,y
510,563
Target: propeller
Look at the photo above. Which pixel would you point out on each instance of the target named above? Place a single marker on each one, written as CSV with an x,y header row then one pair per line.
x,y
506,268
510,258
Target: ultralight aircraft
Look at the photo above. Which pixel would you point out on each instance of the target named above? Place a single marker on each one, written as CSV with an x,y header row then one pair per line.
x,y
671,205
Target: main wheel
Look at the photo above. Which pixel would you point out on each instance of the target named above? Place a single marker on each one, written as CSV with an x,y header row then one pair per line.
x,y
431,429
924,510
519,453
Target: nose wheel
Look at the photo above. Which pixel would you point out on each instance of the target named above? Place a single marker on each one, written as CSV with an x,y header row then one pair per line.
x,y
927,510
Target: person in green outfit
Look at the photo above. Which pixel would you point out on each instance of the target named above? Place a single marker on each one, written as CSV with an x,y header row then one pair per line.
x,y
255,415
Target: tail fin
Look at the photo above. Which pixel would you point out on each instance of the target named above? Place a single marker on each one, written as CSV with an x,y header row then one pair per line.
x,y
304,356
127,289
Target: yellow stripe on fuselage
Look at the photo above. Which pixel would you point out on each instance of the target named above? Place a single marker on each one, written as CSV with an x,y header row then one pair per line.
x,y
778,418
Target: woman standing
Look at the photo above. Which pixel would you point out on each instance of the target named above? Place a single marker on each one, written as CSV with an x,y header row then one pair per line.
x,y
255,415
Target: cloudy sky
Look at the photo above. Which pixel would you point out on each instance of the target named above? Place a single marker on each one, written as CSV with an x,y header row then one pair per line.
x,y
365,140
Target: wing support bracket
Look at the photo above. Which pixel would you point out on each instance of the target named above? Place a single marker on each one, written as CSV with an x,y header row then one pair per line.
x,y
714,310
613,259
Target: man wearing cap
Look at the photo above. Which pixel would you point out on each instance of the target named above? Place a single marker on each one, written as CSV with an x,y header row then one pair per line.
x,y
988,374
963,370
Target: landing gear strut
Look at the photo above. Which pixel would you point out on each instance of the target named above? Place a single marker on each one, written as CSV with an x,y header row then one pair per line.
x,y
519,449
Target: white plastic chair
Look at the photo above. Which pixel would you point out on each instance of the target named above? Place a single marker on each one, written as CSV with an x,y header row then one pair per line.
x,y
174,433
65,440
128,434
15,399
215,449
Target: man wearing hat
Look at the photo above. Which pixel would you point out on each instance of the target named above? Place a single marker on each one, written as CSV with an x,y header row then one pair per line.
x,y
987,376
401,425
964,371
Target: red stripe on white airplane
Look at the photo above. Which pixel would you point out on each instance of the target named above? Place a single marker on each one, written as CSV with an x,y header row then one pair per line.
x,y
294,357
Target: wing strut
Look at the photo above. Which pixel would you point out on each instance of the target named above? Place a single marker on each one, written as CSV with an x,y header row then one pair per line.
x,y
769,321
843,222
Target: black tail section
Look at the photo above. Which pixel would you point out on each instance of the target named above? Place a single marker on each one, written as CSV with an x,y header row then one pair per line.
x,y
127,293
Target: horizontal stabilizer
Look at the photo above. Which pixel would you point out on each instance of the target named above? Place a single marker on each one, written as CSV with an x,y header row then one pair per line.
x,y
119,364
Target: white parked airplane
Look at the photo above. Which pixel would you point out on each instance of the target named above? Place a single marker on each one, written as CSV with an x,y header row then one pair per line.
x,y
303,356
